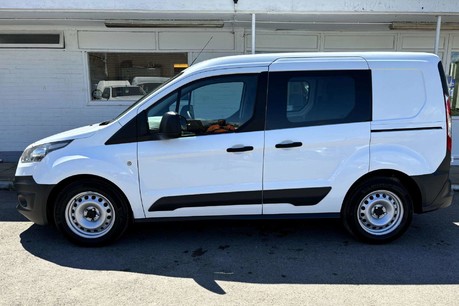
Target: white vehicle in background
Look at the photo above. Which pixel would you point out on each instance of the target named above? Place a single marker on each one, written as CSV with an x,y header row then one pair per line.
x,y
148,84
117,90
365,137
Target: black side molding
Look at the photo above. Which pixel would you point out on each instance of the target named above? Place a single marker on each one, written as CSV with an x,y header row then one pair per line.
x,y
408,129
297,197
212,199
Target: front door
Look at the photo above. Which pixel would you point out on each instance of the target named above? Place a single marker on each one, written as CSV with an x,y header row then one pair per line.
x,y
215,167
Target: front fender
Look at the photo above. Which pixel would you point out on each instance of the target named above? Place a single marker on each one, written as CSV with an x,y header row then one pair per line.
x,y
120,169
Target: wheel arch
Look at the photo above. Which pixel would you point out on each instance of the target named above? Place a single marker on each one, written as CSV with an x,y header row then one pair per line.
x,y
72,179
404,179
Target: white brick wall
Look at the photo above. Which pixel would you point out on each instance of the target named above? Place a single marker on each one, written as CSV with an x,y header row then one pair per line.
x,y
43,92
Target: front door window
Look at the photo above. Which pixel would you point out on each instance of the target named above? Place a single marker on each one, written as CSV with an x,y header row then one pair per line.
x,y
210,106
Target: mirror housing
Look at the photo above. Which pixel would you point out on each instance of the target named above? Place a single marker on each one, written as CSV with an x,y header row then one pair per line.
x,y
170,126
97,94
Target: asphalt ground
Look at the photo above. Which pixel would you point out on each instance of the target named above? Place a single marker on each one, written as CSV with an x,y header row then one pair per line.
x,y
301,262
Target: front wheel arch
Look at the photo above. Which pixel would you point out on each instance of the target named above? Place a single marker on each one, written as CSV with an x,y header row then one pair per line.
x,y
80,178
91,212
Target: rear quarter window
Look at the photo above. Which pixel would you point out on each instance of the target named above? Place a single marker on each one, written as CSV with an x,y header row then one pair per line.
x,y
311,98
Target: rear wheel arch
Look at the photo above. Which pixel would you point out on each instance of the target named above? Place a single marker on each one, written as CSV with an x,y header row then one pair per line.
x,y
378,208
404,180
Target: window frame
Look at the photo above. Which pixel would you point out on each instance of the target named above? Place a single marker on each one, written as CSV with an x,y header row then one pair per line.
x,y
277,104
254,123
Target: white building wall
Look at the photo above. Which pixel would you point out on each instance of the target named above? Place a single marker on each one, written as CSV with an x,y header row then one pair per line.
x,y
45,91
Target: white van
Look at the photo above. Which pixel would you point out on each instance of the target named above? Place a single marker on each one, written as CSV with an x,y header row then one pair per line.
x,y
361,136
118,90
148,84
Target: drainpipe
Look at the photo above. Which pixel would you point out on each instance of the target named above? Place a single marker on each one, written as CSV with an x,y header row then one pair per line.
x,y
437,35
253,33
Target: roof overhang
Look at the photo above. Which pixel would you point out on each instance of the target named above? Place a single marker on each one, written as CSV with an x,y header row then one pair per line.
x,y
279,21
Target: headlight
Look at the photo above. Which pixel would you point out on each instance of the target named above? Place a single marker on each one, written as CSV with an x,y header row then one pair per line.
x,y
37,153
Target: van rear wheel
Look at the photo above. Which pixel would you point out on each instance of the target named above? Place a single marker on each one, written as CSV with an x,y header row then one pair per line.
x,y
378,211
91,213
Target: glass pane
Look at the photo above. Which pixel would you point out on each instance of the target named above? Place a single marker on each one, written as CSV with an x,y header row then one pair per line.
x,y
210,106
155,114
129,76
217,101
333,98
453,82
41,39
311,98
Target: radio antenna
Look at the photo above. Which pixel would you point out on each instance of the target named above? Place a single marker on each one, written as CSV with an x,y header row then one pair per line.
x,y
202,50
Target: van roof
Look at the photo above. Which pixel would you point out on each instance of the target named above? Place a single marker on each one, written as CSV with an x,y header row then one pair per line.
x,y
148,79
102,84
267,59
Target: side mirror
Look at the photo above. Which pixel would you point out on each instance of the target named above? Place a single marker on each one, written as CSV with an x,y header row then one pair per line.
x,y
170,126
97,94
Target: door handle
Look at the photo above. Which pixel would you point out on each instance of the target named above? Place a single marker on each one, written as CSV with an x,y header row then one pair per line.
x,y
289,145
239,149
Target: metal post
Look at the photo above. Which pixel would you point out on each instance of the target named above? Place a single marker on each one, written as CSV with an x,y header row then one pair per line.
x,y
437,35
253,33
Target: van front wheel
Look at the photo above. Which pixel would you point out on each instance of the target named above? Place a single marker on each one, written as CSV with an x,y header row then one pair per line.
x,y
91,213
378,211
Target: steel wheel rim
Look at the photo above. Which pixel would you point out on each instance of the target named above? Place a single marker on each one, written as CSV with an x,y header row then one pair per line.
x,y
90,215
380,212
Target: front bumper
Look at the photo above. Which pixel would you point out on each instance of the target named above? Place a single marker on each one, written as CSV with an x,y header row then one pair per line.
x,y
32,199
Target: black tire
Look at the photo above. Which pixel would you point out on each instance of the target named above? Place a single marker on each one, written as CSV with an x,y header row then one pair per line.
x,y
91,213
378,211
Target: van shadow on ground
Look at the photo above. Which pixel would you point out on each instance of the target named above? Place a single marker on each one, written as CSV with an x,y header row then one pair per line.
x,y
268,252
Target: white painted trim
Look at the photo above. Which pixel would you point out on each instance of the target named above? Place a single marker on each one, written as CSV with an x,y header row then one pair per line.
x,y
253,33
437,34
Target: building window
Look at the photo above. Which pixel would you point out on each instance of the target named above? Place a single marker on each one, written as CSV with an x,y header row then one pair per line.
x,y
129,76
453,83
31,40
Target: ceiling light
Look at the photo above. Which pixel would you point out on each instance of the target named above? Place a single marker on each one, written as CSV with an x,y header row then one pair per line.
x,y
164,23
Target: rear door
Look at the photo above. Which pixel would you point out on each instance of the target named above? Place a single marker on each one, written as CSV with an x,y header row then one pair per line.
x,y
317,133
